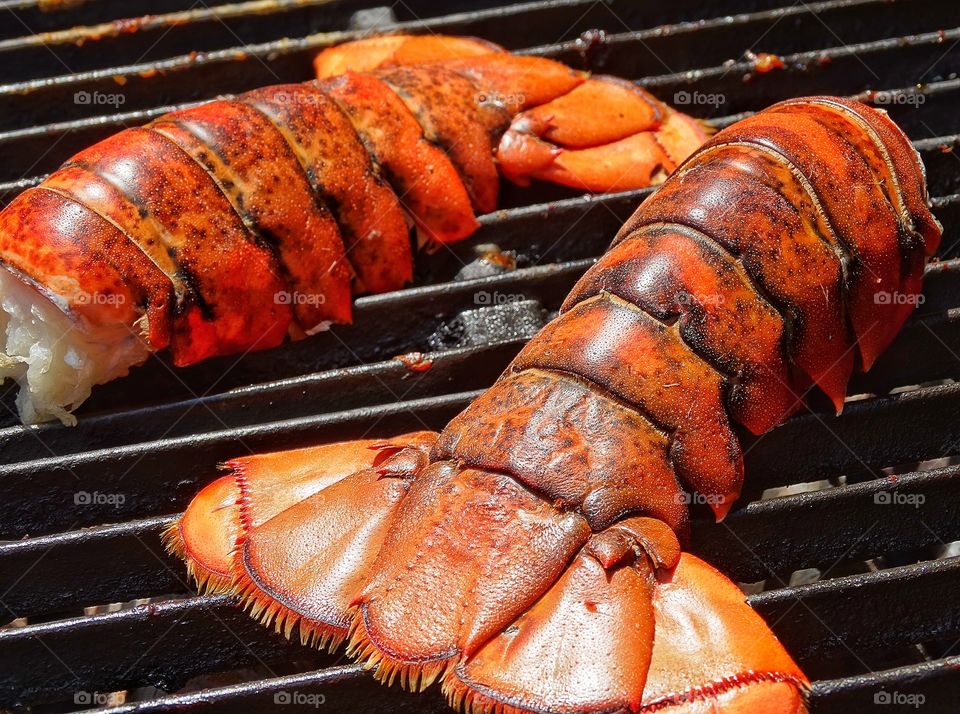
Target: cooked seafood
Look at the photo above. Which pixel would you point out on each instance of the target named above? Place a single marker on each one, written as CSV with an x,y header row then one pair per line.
x,y
236,224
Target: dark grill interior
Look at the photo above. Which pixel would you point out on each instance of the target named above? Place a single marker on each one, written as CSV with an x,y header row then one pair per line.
x,y
857,574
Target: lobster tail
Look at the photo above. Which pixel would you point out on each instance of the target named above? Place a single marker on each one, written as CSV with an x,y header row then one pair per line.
x,y
233,225
729,292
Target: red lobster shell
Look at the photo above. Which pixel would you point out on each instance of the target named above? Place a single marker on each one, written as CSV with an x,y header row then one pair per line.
x,y
529,555
229,226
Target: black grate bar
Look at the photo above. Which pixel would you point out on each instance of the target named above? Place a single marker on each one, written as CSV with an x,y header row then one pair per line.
x,y
135,40
337,688
937,682
854,522
75,125
50,574
187,77
191,77
104,652
46,16
821,529
202,634
872,611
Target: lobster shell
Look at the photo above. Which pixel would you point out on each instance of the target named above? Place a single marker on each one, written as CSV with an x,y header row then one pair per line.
x,y
230,226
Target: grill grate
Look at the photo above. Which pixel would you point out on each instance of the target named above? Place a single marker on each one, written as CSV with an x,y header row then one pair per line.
x,y
878,615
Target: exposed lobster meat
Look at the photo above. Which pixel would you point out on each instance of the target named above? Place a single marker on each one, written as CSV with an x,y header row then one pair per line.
x,y
230,226
529,556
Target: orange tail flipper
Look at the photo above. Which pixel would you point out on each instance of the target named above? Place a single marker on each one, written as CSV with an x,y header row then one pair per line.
x,y
586,644
712,652
605,135
619,638
250,532
457,567
205,535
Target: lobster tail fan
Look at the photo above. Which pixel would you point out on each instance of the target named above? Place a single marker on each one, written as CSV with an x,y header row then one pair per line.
x,y
627,639
205,535
711,649
585,646
457,568
264,531
306,564
603,135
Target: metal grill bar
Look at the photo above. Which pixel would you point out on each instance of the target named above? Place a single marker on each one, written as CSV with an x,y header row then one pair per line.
x,y
816,622
160,475
46,16
195,76
852,524
632,54
155,36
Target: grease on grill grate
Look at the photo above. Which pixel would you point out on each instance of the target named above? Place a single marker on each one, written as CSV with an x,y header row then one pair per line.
x,y
846,535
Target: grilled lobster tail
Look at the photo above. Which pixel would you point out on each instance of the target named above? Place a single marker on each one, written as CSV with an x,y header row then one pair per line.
x,y
230,226
530,554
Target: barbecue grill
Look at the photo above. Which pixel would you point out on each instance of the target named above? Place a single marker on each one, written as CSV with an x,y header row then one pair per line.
x,y
846,535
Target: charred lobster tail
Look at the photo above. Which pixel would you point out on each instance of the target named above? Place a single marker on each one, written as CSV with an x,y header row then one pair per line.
x,y
529,556
233,225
